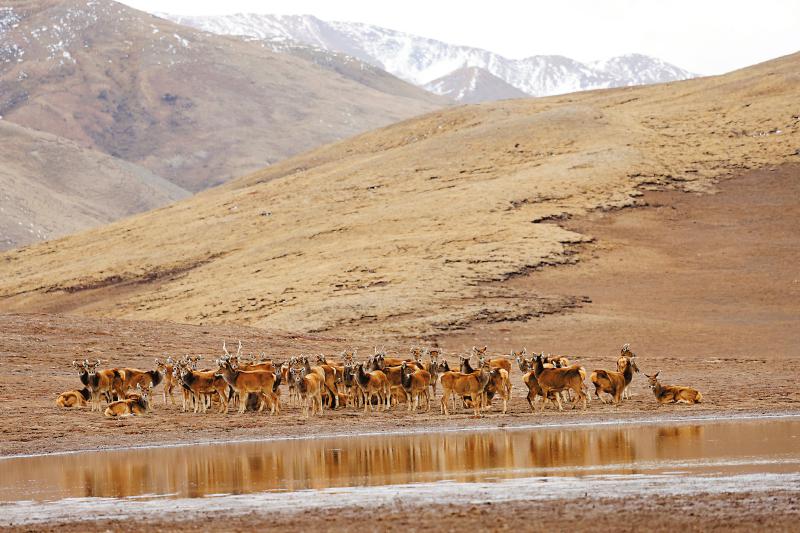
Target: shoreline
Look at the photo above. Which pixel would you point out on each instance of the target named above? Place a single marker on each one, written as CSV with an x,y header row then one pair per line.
x,y
669,421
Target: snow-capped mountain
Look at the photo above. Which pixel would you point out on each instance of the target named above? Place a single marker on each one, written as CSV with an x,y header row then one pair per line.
x,y
420,60
471,85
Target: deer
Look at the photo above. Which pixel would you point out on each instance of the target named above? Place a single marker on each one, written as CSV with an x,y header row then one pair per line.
x,y
416,383
673,393
309,387
136,406
74,398
244,382
144,378
201,385
557,380
328,377
500,384
394,375
167,370
464,385
432,367
373,384
107,383
494,362
614,383
626,352
500,363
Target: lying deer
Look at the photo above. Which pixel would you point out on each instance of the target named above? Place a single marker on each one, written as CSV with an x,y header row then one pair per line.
x,y
673,393
136,406
74,398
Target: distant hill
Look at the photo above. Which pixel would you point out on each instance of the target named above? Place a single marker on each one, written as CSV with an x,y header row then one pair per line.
x,y
50,186
471,85
410,228
192,107
420,60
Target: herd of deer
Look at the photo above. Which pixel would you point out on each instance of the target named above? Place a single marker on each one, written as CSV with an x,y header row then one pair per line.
x,y
379,383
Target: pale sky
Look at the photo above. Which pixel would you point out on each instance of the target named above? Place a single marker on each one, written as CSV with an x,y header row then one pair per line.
x,y
702,36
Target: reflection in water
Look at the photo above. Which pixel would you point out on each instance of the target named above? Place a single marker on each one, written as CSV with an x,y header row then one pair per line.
x,y
196,471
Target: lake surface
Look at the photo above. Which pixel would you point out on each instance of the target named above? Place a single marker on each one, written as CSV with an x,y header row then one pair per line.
x,y
431,463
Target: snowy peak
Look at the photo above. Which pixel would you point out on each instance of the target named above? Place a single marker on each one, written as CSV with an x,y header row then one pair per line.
x,y
471,85
425,62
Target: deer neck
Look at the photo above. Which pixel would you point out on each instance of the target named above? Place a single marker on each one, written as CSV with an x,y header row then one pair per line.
x,y
628,372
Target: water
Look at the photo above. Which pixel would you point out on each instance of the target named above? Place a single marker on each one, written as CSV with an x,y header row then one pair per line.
x,y
243,475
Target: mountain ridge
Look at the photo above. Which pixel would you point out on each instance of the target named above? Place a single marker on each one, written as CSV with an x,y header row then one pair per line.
x,y
421,60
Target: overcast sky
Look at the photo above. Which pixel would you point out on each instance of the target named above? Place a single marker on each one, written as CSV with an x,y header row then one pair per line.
x,y
703,36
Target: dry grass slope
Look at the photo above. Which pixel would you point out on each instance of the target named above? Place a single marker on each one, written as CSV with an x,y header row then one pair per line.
x,y
401,229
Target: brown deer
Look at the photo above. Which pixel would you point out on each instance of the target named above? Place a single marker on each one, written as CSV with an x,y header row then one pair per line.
x,y
614,383
131,377
394,375
621,362
244,382
101,383
74,398
559,379
135,406
499,384
415,383
201,385
494,362
673,393
373,384
309,387
328,376
167,369
500,363
470,385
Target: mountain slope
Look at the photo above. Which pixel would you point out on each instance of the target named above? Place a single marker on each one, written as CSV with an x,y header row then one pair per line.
x,y
409,228
420,60
472,85
50,187
192,107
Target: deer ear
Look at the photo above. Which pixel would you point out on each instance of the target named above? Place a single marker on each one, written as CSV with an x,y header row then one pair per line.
x,y
656,374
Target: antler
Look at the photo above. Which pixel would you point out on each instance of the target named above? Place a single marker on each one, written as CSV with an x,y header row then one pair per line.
x,y
225,349
239,350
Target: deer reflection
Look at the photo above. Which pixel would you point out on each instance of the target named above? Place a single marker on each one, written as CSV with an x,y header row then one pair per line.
x,y
196,471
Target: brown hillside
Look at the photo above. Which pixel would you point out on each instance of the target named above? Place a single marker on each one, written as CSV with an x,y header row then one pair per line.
x,y
402,229
50,186
192,107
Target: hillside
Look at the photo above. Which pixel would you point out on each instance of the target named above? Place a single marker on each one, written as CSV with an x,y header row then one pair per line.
x,y
472,85
406,229
420,60
50,187
194,108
